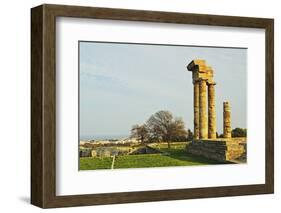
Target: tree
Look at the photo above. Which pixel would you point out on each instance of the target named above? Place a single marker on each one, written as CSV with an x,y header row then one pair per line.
x,y
140,132
239,132
163,126
189,135
217,135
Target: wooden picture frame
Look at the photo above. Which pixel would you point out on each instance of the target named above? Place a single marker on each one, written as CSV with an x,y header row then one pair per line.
x,y
43,105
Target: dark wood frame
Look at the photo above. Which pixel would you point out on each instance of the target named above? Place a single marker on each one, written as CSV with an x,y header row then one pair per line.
x,y
43,105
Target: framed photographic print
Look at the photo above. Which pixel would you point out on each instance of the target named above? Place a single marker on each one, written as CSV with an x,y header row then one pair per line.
x,y
136,106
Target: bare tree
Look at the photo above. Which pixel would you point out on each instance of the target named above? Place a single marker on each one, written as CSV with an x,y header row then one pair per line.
x,y
140,132
164,127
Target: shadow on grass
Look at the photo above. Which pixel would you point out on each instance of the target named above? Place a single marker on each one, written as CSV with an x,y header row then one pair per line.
x,y
181,154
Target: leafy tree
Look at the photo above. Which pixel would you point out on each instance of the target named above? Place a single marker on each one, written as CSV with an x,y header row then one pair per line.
x,y
239,132
140,132
189,135
220,135
163,126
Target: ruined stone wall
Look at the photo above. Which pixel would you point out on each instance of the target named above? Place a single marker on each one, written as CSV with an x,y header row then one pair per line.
x,y
220,150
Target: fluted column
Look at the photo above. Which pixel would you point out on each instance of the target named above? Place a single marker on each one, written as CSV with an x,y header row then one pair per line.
x,y
196,109
212,126
226,120
203,127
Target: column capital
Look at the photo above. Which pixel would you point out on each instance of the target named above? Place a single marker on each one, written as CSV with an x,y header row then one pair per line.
x,y
195,81
202,79
226,104
196,65
211,83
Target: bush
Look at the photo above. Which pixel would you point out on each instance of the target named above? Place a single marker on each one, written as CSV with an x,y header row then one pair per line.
x,y
239,132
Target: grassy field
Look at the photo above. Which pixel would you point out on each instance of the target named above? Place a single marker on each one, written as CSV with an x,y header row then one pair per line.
x,y
176,156
95,163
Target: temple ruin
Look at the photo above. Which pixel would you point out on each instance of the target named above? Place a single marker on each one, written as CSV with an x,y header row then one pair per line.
x,y
205,141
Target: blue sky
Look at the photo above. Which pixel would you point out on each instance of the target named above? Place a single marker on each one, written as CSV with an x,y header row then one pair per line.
x,y
124,84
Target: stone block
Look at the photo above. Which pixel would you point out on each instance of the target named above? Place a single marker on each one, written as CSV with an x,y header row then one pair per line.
x,y
222,151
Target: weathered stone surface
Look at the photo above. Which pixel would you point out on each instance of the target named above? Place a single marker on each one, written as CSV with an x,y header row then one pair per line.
x,y
220,150
203,125
200,70
243,157
226,120
205,143
203,74
212,121
196,109
94,153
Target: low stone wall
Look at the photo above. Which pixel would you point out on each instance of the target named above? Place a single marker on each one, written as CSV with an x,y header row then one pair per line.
x,y
220,150
85,153
243,157
145,150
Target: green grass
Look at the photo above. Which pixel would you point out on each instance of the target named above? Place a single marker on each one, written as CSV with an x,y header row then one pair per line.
x,y
176,156
146,160
95,163
177,151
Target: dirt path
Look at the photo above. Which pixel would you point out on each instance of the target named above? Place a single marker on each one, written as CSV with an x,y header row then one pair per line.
x,y
113,161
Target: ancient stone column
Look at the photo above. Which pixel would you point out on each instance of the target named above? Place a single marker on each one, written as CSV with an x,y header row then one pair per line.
x,y
226,120
203,126
196,109
212,126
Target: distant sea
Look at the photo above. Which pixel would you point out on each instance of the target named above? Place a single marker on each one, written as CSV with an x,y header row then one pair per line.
x,y
103,137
